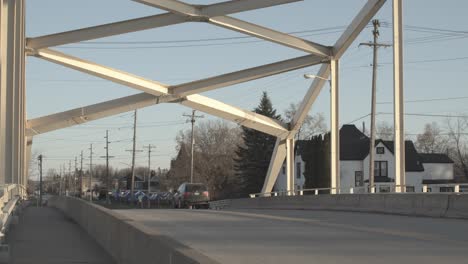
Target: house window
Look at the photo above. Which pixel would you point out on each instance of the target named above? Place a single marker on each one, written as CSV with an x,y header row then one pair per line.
x,y
284,170
410,189
298,170
380,150
384,189
380,169
447,189
358,179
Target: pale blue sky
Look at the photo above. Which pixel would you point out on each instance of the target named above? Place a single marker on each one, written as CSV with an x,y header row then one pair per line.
x,y
52,88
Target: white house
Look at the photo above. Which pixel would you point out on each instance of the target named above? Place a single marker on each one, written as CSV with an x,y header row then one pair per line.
x,y
434,170
299,179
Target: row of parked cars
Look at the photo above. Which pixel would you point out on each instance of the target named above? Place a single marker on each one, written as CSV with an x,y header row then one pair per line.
x,y
188,195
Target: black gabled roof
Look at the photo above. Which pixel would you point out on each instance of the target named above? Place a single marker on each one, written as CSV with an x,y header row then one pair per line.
x,y
435,158
354,145
413,161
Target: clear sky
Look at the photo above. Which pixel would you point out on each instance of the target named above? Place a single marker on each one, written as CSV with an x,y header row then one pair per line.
x,y
436,34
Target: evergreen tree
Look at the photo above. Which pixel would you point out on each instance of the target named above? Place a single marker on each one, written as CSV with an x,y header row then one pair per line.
x,y
317,162
255,153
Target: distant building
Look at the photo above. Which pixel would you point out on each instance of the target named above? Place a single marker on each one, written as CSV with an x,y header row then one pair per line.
x,y
434,170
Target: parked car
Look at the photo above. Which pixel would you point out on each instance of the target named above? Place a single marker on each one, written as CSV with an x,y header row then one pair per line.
x,y
191,194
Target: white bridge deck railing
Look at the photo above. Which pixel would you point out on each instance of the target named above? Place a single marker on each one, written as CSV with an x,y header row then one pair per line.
x,y
10,194
382,188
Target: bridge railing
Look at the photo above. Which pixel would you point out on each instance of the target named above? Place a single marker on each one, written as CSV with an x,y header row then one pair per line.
x,y
10,194
380,188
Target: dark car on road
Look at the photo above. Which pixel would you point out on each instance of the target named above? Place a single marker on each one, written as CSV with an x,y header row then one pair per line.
x,y
191,195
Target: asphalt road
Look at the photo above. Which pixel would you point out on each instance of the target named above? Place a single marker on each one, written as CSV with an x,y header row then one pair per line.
x,y
292,236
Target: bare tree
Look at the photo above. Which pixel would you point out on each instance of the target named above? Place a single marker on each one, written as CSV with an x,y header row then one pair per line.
x,y
431,140
457,143
312,125
215,146
384,131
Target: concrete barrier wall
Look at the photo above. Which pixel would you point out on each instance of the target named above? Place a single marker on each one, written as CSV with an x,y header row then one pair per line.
x,y
432,205
126,241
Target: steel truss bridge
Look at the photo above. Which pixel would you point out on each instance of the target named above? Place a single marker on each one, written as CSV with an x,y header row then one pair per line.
x,y
17,132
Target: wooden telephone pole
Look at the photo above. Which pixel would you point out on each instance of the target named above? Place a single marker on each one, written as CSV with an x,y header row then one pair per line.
x,y
375,45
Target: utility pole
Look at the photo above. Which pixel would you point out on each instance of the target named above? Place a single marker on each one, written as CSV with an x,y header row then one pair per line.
x,y
90,173
149,173
107,166
375,45
69,177
74,176
40,179
133,156
60,181
81,174
192,120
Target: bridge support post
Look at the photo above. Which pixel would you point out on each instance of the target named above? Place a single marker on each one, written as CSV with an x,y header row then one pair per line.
x,y
290,190
335,128
12,107
399,118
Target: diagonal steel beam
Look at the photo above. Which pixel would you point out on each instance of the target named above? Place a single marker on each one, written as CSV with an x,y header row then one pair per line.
x,y
238,25
144,23
97,70
105,30
217,9
276,162
340,47
309,98
85,114
270,35
207,105
245,75
357,25
89,113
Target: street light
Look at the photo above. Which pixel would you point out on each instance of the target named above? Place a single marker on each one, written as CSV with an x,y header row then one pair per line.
x,y
313,76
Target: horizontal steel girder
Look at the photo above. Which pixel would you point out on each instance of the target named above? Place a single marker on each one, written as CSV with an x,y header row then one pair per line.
x,y
145,23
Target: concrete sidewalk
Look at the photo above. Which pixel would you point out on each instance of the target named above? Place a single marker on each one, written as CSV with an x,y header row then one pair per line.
x,y
45,235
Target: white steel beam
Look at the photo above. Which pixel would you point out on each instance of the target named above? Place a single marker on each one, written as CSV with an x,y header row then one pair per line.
x,y
244,75
210,106
144,23
334,128
105,30
218,19
217,9
399,111
81,115
93,112
270,35
276,162
309,98
107,73
290,166
242,117
357,25
340,47
174,6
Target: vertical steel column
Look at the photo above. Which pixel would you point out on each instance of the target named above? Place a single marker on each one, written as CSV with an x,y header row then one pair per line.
x,y
290,166
335,128
400,180
3,37
7,46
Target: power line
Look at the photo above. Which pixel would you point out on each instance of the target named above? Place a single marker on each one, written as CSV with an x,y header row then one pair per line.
x,y
430,100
